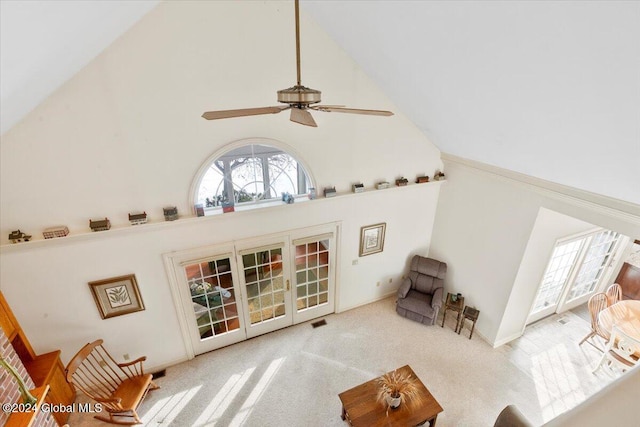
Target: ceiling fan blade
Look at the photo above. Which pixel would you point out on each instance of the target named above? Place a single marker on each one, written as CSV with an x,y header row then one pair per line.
x,y
332,109
225,114
303,117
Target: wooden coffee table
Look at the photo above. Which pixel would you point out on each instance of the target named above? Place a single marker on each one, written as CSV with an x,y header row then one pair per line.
x,y
360,406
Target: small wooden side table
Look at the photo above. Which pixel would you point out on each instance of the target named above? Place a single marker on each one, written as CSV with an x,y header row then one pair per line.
x,y
456,306
471,314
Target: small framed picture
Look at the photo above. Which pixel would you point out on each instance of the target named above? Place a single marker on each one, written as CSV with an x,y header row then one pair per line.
x,y
372,238
117,296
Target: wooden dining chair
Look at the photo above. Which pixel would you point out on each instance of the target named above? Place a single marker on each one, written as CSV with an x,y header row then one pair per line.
x,y
614,293
621,353
597,303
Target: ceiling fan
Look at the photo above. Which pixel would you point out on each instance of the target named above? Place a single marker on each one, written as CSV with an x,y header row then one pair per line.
x,y
299,99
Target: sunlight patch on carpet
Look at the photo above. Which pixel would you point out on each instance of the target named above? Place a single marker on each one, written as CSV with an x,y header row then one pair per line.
x,y
557,384
167,409
257,392
223,398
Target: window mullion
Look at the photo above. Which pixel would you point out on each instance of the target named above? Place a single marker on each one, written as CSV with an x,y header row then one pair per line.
x,y
228,184
266,179
302,180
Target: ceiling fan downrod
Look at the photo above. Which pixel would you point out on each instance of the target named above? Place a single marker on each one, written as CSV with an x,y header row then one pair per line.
x,y
298,42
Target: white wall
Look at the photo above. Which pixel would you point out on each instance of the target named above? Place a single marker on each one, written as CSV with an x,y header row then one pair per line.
x,y
614,405
484,221
125,134
47,285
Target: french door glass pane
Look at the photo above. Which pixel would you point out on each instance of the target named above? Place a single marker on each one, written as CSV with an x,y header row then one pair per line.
x,y
556,274
265,285
594,263
312,271
213,297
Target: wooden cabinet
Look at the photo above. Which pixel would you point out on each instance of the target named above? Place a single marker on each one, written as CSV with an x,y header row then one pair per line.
x,y
629,281
32,418
44,369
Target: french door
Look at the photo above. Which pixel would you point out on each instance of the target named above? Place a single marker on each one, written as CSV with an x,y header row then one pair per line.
x,y
576,270
207,297
266,287
314,270
228,293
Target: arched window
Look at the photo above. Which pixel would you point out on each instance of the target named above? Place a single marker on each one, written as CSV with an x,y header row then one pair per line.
x,y
250,173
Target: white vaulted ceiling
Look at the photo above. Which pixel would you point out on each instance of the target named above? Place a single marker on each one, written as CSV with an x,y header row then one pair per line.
x,y
549,89
45,43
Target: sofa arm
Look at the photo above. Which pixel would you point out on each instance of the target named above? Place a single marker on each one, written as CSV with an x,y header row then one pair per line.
x,y
404,288
511,417
436,298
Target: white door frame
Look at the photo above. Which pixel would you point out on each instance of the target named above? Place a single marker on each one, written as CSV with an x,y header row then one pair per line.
x,y
174,263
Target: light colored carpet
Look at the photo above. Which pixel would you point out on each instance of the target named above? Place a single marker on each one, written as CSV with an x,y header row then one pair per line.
x,y
292,377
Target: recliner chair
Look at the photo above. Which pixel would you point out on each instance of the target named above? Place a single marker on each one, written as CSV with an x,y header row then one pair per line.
x,y
420,295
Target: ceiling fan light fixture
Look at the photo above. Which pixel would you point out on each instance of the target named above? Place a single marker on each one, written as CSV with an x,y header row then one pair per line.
x,y
299,94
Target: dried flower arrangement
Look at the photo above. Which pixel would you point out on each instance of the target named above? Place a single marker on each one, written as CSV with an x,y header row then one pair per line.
x,y
397,385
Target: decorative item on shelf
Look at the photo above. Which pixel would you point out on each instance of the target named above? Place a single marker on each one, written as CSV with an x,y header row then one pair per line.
x,y
100,224
57,231
170,213
382,185
330,192
401,182
358,188
138,218
199,207
395,388
27,397
312,193
288,198
438,176
18,236
456,297
421,179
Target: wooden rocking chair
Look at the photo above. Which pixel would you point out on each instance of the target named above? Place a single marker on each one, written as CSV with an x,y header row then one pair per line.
x,y
118,387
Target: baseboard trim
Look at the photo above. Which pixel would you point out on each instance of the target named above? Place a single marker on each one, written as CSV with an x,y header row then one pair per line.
x,y
375,299
506,340
160,367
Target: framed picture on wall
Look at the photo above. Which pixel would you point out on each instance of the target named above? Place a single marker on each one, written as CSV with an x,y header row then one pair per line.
x,y
372,238
117,296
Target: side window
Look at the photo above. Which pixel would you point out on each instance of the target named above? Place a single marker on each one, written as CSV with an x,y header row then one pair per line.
x,y
250,174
